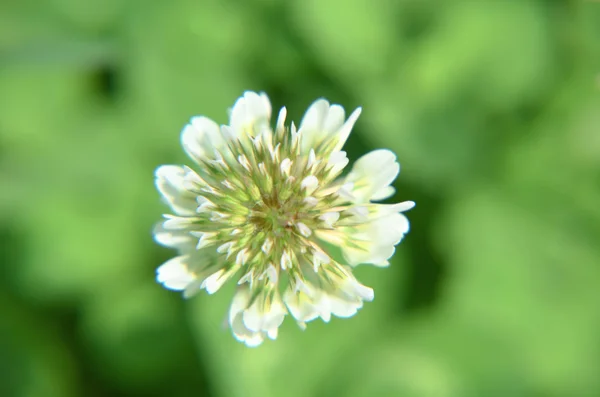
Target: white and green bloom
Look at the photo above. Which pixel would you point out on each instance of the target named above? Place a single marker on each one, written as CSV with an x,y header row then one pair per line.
x,y
267,206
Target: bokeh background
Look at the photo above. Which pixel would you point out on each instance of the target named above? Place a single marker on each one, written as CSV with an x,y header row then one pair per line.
x,y
493,108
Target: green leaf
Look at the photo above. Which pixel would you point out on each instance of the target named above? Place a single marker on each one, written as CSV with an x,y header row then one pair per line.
x,y
528,271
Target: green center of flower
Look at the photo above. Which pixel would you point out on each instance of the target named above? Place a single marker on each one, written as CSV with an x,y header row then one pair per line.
x,y
272,217
265,201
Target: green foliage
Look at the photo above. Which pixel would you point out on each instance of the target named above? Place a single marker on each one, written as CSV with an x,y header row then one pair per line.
x,y
492,106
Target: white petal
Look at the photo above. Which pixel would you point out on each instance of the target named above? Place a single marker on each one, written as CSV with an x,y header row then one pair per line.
x,y
286,261
324,124
180,239
334,119
285,166
238,328
404,206
344,296
242,257
345,191
338,160
225,248
323,306
204,239
215,281
239,303
267,245
377,255
173,222
309,184
243,160
280,125
204,204
383,193
301,324
376,240
303,229
255,340
236,310
192,289
311,125
253,319
263,316
248,111
300,285
272,333
365,293
312,158
300,305
266,322
361,213
272,274
330,218
191,180
372,175
310,201
275,319
200,138
170,183
375,211
390,229
343,308
346,129
175,273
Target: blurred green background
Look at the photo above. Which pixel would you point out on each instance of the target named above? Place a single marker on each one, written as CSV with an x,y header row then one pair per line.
x,y
493,108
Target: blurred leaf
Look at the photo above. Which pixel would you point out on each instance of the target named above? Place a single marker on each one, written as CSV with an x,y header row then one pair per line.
x,y
134,335
435,355
91,15
530,275
202,74
352,39
34,361
438,109
81,210
499,51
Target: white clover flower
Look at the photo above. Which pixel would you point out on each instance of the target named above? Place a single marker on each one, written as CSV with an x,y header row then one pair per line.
x,y
267,206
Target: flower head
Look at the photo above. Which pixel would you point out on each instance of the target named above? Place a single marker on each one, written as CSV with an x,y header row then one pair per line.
x,y
267,205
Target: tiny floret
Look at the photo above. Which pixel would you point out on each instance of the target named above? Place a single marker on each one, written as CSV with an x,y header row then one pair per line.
x,y
269,207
